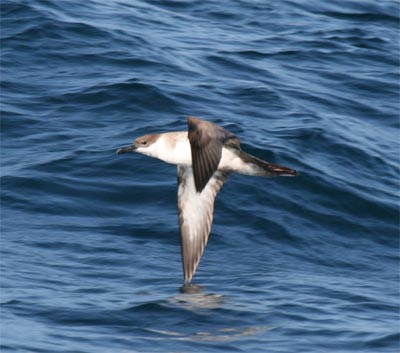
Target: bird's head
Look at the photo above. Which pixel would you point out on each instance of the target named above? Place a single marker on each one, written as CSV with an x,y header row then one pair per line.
x,y
143,144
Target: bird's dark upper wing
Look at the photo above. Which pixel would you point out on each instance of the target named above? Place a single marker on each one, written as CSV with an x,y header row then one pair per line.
x,y
206,142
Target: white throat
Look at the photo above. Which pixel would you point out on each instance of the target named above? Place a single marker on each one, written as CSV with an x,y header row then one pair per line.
x,y
170,147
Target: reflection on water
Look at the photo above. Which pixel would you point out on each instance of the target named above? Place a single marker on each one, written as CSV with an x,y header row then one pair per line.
x,y
191,288
194,298
221,335
227,334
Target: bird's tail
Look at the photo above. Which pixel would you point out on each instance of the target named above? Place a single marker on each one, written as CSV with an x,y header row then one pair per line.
x,y
258,167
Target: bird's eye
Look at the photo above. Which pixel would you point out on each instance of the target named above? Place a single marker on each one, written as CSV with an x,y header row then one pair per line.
x,y
144,142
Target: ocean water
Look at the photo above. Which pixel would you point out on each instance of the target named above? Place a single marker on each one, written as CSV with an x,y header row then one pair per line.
x,y
90,257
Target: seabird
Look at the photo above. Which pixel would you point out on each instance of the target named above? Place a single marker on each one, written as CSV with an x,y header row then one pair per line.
x,y
205,155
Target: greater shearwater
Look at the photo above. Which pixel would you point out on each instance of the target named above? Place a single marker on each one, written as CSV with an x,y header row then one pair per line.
x,y
205,155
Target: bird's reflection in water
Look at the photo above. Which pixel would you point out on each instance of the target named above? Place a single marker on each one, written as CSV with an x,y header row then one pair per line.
x,y
193,297
191,288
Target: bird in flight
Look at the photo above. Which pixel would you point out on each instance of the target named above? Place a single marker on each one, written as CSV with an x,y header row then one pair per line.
x,y
205,155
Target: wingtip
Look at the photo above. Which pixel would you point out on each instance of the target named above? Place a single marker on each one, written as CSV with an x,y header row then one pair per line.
x,y
192,120
188,273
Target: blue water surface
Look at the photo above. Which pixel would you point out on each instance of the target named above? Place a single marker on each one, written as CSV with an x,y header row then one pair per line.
x,y
90,257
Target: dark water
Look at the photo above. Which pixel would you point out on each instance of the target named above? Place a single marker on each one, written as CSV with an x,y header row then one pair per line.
x,y
90,253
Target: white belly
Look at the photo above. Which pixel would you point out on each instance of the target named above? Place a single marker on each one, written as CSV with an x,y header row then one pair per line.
x,y
177,150
174,148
